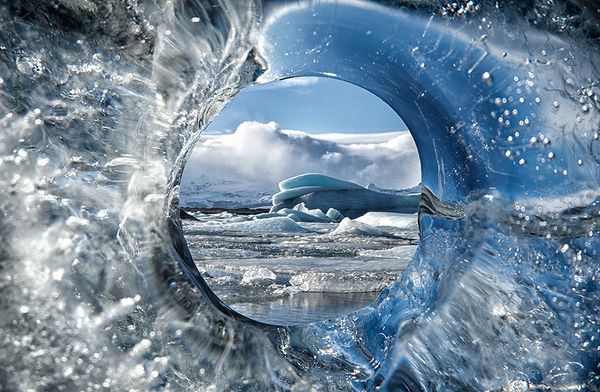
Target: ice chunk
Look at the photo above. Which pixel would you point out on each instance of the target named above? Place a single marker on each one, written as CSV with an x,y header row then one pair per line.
x,y
404,221
279,224
349,226
299,216
316,212
334,215
258,276
332,282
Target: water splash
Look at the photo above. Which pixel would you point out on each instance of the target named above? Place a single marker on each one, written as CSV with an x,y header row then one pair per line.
x,y
99,289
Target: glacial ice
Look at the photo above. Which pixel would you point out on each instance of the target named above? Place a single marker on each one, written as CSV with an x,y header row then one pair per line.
x,y
301,216
403,252
317,180
333,282
349,226
258,276
399,220
334,215
316,191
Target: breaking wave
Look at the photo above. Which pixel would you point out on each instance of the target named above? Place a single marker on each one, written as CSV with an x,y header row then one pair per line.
x,y
102,101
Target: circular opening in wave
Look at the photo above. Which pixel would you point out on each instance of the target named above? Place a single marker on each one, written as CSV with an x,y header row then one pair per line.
x,y
295,226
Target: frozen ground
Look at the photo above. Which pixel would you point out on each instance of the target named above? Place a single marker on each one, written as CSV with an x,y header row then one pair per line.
x,y
277,269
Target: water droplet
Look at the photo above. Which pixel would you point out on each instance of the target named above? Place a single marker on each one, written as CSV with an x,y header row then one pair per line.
x,y
510,138
533,140
580,162
507,153
565,172
585,108
537,100
195,19
487,78
550,155
564,248
521,161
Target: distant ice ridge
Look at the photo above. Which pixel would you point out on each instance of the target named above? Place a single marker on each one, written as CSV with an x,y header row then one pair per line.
x,y
322,192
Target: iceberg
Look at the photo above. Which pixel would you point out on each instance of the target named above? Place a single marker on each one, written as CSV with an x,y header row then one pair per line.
x,y
322,192
403,221
317,180
349,226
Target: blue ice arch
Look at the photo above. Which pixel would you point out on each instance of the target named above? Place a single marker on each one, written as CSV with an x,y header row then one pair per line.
x,y
99,116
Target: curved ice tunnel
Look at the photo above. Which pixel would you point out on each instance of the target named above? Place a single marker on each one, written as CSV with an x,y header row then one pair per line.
x,y
503,292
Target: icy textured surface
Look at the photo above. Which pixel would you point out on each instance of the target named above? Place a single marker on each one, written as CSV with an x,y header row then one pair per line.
x,y
102,102
277,269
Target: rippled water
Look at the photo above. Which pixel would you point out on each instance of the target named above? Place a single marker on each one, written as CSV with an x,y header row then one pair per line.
x,y
101,102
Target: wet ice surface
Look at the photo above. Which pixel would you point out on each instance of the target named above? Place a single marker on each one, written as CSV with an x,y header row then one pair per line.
x,y
284,272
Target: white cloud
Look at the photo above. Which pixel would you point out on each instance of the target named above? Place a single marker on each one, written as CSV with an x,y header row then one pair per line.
x,y
257,156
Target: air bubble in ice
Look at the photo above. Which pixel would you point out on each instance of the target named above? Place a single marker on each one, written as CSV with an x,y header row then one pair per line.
x,y
487,78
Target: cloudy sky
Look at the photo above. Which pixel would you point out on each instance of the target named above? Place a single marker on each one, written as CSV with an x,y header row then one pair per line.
x,y
303,125
309,104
